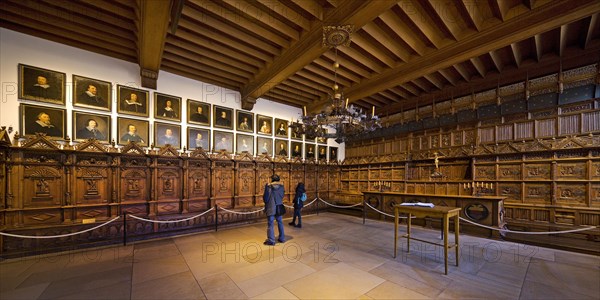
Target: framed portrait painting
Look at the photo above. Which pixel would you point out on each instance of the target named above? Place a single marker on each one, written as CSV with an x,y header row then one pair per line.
x,y
281,127
167,134
264,125
40,119
198,138
91,126
222,117
321,140
132,101
244,143
245,121
322,152
41,85
167,107
296,133
264,145
198,112
92,93
222,141
132,130
309,151
296,149
333,152
281,147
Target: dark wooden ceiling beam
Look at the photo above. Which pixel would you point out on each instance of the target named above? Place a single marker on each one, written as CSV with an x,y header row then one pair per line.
x,y
231,33
234,17
284,12
470,12
154,23
516,54
423,22
79,8
447,18
531,22
403,31
224,56
213,40
562,43
347,64
193,58
479,66
309,47
265,18
446,74
342,72
198,74
373,50
312,7
309,84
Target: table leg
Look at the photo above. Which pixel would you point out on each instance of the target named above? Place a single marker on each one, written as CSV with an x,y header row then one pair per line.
x,y
408,233
395,231
456,237
446,225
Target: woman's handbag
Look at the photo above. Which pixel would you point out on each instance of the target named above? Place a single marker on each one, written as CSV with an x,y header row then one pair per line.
x,y
279,210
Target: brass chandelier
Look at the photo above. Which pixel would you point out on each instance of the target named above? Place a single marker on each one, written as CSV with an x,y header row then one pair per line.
x,y
344,121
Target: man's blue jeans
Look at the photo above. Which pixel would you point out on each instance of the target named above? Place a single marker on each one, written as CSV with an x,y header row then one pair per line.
x,y
270,229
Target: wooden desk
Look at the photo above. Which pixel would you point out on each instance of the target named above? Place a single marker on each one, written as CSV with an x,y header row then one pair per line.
x,y
440,212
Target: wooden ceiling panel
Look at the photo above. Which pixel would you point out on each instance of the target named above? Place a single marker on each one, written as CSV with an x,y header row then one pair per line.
x,y
402,53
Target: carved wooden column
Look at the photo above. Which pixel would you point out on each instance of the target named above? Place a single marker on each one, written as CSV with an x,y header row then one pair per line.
x,y
296,175
311,179
169,181
281,167
245,180
223,180
198,181
323,179
264,171
135,178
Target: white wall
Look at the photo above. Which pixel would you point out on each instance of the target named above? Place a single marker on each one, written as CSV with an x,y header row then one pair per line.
x,y
17,48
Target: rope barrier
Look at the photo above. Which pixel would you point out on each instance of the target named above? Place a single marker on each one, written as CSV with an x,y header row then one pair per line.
x,y
241,212
339,206
525,232
57,236
171,221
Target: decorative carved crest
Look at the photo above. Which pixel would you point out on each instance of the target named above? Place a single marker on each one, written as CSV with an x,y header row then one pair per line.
x,y
264,158
4,138
91,145
168,150
281,159
222,155
133,148
199,153
41,141
244,156
296,160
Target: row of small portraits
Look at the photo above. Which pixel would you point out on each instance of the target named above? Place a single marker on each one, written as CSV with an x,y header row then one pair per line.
x,y
52,122
48,86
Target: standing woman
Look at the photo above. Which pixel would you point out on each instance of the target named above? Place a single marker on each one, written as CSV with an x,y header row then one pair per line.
x,y
272,197
298,204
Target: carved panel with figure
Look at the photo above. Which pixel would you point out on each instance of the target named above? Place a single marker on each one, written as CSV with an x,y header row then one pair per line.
x,y
538,172
512,191
538,193
571,194
509,172
571,170
245,184
92,185
222,183
42,186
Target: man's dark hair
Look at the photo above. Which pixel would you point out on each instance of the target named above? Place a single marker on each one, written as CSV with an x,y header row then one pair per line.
x,y
274,178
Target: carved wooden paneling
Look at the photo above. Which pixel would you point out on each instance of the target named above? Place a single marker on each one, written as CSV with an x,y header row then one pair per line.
x,y
198,185
485,172
2,184
564,217
538,171
509,172
245,184
374,174
595,195
575,170
512,191
538,193
41,217
571,194
398,174
222,183
42,186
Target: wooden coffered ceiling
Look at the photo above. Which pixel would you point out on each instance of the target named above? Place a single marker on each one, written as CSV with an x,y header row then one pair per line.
x,y
403,54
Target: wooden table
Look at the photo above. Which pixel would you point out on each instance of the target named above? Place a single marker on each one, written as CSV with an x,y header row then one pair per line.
x,y
440,212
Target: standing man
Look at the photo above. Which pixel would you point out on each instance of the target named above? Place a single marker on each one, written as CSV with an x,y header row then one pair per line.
x,y
272,197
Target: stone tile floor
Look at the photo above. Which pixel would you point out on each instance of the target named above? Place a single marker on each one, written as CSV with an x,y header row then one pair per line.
x,y
332,257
